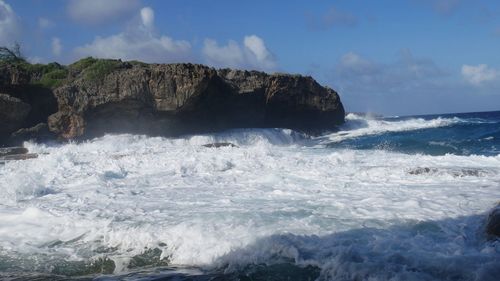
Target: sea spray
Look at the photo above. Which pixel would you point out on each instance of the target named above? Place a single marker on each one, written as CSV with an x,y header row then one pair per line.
x,y
278,200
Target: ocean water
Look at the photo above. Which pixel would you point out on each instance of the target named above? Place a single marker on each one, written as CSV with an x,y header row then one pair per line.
x,y
398,198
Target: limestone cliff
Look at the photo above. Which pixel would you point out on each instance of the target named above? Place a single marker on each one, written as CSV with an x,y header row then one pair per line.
x,y
94,97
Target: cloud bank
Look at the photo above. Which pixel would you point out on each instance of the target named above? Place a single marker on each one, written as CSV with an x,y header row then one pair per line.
x,y
479,74
139,42
253,53
9,25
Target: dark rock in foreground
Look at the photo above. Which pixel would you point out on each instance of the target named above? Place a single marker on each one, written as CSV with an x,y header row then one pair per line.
x,y
219,144
20,156
493,224
15,153
39,132
95,97
5,151
422,170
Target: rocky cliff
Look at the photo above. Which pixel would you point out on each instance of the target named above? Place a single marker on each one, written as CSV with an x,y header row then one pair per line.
x,y
93,97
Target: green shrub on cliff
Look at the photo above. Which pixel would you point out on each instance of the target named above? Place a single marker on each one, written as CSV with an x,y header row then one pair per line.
x,y
54,78
53,75
42,69
82,64
94,69
49,75
138,63
101,68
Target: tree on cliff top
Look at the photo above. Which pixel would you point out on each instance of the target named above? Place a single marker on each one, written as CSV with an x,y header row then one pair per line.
x,y
11,55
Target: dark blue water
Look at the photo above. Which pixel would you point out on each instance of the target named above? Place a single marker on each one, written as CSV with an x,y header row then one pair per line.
x,y
459,134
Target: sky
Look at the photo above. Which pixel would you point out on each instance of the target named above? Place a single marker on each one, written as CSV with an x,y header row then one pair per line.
x,y
391,57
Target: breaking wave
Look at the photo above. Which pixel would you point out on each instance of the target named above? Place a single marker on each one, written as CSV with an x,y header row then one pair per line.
x,y
277,203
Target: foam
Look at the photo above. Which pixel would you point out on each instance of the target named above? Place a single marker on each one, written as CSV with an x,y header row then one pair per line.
x,y
357,126
431,250
126,193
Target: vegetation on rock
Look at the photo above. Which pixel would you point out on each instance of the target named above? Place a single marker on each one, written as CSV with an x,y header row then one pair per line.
x,y
93,96
11,55
53,75
100,68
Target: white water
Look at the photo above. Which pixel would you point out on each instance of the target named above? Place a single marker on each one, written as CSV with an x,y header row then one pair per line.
x,y
357,126
224,207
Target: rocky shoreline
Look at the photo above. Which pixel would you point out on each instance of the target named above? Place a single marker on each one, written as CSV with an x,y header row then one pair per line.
x,y
92,97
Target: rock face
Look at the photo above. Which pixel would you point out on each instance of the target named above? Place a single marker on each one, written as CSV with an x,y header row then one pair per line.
x,y
12,75
13,113
23,104
182,98
39,132
110,96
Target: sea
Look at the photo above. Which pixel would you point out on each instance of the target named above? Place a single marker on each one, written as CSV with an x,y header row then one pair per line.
x,y
381,198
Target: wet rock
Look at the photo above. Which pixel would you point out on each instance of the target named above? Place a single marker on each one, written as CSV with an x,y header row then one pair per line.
x,y
467,173
455,172
20,156
422,170
493,224
150,257
39,132
79,268
5,151
219,144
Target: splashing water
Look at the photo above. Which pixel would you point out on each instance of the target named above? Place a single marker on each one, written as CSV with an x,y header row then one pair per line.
x,y
360,204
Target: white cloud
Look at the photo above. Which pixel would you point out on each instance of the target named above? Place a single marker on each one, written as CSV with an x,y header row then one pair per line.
x,y
147,17
138,43
100,11
256,46
253,53
230,55
479,74
56,46
9,25
44,23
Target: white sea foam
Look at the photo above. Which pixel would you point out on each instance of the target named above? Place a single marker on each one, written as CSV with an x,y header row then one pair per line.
x,y
205,206
357,126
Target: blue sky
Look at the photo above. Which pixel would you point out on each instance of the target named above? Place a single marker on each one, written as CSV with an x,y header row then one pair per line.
x,y
391,57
